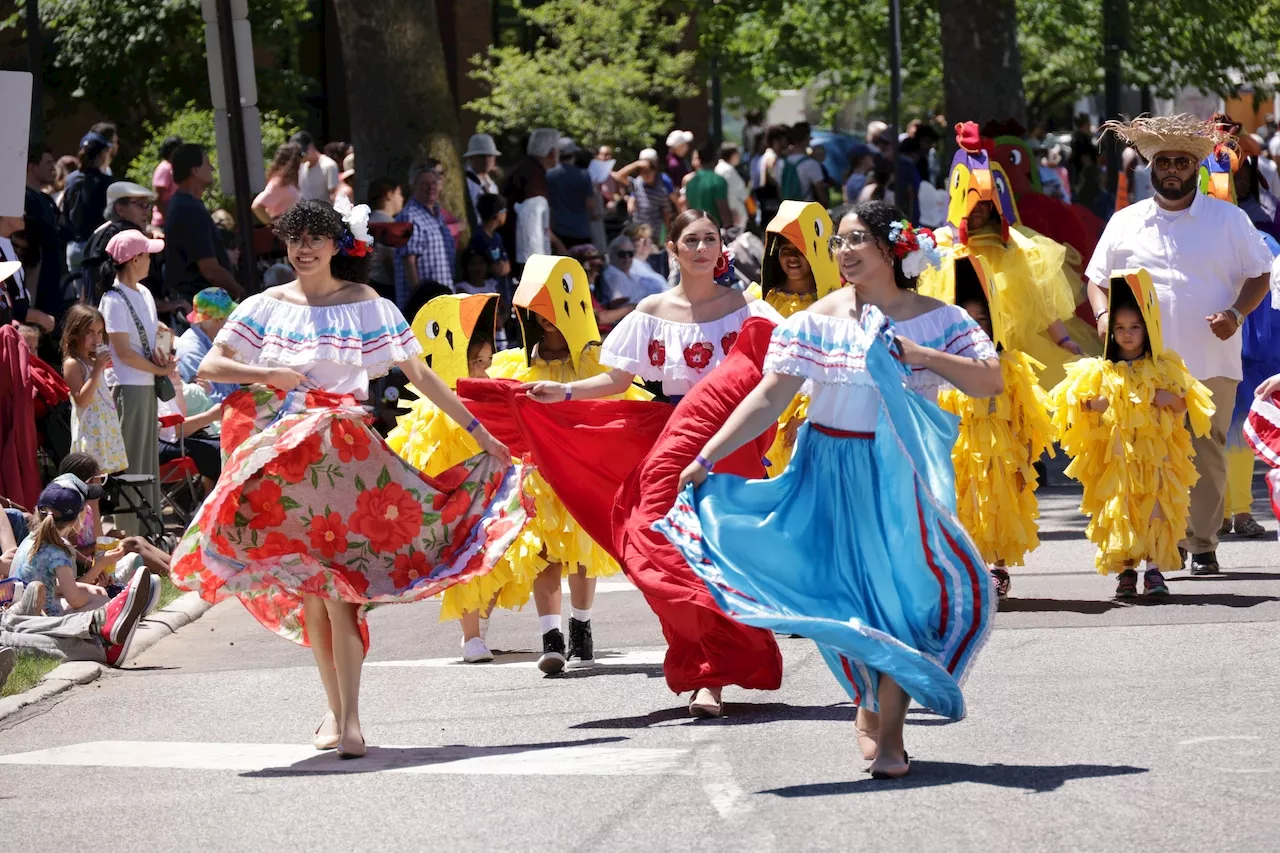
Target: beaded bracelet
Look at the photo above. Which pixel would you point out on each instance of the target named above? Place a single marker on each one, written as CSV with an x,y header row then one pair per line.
x,y
471,427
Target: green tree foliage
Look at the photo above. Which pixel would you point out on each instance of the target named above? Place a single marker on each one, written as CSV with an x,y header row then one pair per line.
x,y
602,71
195,124
768,45
143,60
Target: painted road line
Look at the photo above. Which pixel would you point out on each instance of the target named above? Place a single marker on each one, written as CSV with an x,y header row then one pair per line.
x,y
287,759
529,660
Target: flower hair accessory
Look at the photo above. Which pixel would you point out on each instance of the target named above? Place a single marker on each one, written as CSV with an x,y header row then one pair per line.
x,y
356,241
724,272
915,247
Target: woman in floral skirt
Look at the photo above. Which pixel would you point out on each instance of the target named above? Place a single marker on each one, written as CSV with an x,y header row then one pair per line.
x,y
314,517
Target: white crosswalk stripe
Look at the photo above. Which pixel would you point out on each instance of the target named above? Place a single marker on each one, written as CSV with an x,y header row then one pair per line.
x,y
290,759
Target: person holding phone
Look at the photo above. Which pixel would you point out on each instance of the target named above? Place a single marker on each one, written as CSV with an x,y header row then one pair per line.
x,y
138,357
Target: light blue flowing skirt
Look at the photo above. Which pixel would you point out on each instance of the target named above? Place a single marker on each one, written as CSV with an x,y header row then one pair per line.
x,y
856,546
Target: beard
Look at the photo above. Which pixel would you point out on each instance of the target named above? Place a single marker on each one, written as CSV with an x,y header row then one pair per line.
x,y
1179,192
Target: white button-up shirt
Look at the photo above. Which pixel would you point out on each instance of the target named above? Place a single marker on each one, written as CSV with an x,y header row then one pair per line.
x,y
1199,259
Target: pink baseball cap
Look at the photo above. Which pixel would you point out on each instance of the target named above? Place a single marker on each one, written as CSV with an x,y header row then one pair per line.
x,y
127,245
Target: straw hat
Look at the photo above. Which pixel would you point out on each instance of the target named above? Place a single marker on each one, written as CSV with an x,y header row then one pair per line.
x,y
1184,133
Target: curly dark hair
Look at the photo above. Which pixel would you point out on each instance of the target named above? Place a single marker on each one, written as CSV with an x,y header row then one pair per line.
x,y
318,219
878,216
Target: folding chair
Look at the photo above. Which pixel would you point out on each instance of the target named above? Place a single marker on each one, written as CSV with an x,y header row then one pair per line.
x,y
126,495
179,473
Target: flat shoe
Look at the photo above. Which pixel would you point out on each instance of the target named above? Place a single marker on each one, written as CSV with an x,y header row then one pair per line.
x,y
704,706
1250,529
897,771
324,742
348,752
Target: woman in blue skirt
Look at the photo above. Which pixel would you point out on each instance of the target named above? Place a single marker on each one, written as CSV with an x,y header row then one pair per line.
x,y
857,545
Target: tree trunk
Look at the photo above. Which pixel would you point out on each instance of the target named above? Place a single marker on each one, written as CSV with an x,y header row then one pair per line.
x,y
981,66
402,109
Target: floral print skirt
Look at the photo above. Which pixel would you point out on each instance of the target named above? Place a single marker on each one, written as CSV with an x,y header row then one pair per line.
x,y
312,502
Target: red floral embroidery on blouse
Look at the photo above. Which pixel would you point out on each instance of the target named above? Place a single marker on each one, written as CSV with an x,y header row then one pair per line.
x,y
698,355
727,342
657,353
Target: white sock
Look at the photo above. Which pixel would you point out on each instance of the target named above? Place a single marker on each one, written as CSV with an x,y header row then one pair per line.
x,y
580,615
549,623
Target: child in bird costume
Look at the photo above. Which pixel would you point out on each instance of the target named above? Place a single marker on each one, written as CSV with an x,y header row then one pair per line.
x,y
1000,437
561,344
457,337
1123,419
1028,271
798,270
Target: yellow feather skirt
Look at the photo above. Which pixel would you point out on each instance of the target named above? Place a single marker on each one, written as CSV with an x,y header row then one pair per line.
x,y
1135,460
999,441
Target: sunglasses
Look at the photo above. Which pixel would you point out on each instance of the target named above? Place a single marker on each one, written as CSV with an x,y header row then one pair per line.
x,y
622,254
847,242
1179,164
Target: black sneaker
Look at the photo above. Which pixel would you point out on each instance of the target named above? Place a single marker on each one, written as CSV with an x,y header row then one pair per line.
x,y
552,660
1204,564
581,648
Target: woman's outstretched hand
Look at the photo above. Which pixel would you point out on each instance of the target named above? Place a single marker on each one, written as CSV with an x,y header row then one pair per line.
x,y
695,474
491,445
546,392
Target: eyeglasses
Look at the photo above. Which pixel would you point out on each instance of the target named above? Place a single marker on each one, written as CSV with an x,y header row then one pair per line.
x,y
848,241
622,254
98,480
139,202
315,244
1178,164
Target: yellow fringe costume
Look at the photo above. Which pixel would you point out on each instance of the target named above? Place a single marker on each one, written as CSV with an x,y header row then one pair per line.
x,y
999,441
808,227
1029,277
1135,460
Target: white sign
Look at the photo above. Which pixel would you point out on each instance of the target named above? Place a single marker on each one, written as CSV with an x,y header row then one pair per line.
x,y
244,65
15,132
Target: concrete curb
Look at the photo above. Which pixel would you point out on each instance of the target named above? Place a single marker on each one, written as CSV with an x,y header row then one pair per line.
x,y
160,624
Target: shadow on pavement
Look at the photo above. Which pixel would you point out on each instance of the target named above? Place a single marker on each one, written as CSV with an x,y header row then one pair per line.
x,y
380,758
735,714
1095,608
652,670
1227,575
1061,535
1056,605
1035,779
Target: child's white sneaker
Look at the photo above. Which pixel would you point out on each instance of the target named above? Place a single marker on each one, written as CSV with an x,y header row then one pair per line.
x,y
475,651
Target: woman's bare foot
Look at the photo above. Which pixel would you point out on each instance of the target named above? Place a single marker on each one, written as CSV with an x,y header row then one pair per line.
x,y
867,725
889,766
351,743
328,732
706,703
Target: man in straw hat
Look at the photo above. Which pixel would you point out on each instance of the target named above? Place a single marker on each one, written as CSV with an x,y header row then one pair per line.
x,y
1210,269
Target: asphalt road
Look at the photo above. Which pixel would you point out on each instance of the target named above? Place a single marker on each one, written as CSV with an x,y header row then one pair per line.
x,y
1093,725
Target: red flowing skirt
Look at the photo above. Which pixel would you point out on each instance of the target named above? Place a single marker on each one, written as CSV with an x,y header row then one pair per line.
x,y
616,466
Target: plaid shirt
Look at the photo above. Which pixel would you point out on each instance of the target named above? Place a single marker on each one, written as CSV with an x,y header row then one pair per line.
x,y
431,246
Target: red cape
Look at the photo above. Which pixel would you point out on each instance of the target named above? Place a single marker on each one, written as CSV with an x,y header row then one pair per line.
x,y
616,464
